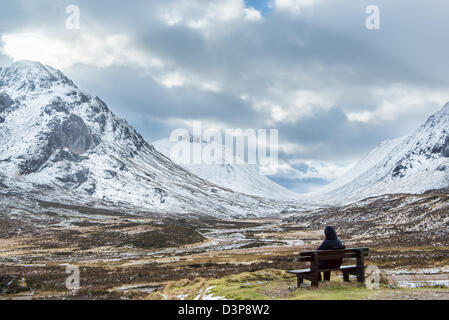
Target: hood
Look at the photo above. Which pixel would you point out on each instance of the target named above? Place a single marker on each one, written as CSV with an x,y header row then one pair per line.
x,y
330,233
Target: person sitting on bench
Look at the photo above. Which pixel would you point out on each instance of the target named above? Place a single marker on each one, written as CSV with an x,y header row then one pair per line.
x,y
330,243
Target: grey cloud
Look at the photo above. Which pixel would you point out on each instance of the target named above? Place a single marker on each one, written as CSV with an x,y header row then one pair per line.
x,y
140,96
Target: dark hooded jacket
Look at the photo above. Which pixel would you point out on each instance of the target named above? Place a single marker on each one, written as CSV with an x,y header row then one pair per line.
x,y
331,243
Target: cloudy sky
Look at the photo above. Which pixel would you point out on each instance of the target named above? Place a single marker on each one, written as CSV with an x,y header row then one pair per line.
x,y
309,68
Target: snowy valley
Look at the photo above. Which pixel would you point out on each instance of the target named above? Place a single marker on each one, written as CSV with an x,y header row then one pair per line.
x,y
79,185
62,145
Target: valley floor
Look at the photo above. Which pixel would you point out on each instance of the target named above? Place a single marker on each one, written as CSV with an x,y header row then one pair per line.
x,y
131,257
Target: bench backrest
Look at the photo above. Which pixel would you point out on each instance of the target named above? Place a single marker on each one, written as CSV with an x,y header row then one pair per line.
x,y
322,255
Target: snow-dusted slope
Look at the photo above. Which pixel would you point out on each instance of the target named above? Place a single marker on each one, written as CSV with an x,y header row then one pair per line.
x,y
415,164
242,178
62,143
396,218
366,163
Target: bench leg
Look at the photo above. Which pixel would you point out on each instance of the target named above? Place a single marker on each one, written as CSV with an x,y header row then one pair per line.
x,y
327,276
345,276
315,280
299,280
360,267
361,275
361,278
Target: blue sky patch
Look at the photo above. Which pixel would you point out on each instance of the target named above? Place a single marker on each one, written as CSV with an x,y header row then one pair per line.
x,y
264,6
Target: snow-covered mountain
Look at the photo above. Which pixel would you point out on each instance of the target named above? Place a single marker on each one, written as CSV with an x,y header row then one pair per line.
x,y
244,178
63,144
413,165
366,163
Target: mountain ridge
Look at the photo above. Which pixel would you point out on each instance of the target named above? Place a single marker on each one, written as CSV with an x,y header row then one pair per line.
x,y
244,178
414,164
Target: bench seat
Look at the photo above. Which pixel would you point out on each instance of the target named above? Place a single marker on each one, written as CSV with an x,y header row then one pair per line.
x,y
342,268
313,274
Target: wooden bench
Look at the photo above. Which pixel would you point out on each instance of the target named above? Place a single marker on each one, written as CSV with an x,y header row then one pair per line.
x,y
314,273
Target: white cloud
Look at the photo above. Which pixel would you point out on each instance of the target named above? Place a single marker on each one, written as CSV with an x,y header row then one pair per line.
x,y
294,6
397,100
207,16
88,48
289,107
99,51
173,79
252,14
364,116
180,79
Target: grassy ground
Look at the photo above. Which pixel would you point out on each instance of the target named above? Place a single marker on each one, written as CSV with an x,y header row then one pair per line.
x,y
125,257
275,284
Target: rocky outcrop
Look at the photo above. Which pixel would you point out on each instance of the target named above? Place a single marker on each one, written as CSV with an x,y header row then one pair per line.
x,y
70,136
5,102
56,105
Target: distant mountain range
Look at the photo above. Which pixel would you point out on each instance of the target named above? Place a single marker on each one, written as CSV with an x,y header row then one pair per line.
x,y
61,144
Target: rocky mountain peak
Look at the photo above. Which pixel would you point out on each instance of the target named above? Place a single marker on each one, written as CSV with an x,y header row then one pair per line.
x,y
32,76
